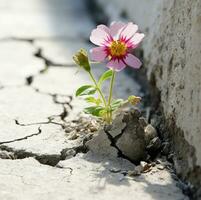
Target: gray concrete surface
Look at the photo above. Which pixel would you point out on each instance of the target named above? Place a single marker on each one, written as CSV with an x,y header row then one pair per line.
x,y
37,106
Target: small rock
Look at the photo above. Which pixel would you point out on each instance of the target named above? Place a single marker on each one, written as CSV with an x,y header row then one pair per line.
x,y
132,142
136,112
118,125
68,153
146,167
163,163
143,164
73,136
143,122
161,167
115,170
7,155
78,129
154,145
166,148
153,164
93,129
101,145
68,129
150,133
170,157
136,172
126,136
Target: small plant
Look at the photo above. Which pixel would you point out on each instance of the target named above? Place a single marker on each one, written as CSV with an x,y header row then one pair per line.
x,y
115,45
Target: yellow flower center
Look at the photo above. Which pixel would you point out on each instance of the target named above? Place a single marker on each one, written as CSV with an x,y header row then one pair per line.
x,y
118,48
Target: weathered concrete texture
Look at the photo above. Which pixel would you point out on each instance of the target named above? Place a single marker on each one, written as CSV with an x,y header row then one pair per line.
x,y
177,70
31,179
172,53
55,81
60,51
51,140
33,132
117,9
176,73
27,105
10,131
42,121
44,19
18,62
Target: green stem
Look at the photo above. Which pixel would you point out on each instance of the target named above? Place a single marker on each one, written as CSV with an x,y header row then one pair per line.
x,y
110,95
98,89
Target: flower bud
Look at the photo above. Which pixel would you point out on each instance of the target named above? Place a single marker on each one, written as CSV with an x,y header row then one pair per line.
x,y
134,100
81,59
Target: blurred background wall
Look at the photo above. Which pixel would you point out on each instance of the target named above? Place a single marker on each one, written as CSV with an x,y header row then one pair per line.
x,y
172,58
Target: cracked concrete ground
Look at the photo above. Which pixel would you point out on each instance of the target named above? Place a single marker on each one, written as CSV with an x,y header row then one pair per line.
x,y
40,158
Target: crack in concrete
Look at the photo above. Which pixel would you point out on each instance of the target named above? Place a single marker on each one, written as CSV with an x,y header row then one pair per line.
x,y
113,144
22,138
72,152
30,40
29,80
40,123
1,86
117,137
65,104
62,167
48,62
46,159
46,38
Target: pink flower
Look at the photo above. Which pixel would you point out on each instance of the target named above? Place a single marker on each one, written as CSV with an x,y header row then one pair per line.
x,y
115,45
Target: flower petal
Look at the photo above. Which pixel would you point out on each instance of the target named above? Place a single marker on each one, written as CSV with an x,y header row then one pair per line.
x,y
129,31
132,61
98,54
116,65
103,27
136,39
116,28
99,37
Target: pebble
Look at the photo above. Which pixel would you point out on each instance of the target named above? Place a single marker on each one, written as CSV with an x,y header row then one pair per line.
x,y
166,148
7,155
134,173
150,133
154,145
146,167
161,167
143,122
68,153
73,136
115,170
68,129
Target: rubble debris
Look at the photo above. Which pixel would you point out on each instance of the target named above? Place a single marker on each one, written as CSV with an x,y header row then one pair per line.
x,y
130,135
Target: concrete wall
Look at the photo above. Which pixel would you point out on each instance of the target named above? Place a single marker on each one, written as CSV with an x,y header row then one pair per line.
x,y
142,12
172,53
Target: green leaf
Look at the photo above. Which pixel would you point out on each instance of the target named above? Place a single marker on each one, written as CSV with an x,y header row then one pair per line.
x,y
85,90
116,103
106,75
93,100
94,110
